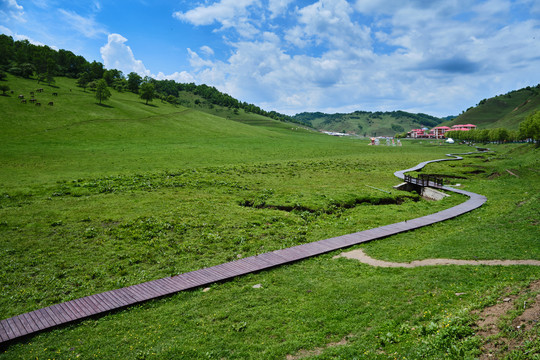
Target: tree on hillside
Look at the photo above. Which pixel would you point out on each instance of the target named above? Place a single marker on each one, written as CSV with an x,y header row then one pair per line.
x,y
147,92
83,80
27,70
102,92
4,88
530,127
112,75
134,81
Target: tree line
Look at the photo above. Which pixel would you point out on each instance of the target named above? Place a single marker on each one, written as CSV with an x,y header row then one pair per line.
x,y
529,130
24,59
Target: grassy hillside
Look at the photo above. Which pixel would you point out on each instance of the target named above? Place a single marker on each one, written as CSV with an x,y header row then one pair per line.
x,y
366,123
503,111
77,137
99,197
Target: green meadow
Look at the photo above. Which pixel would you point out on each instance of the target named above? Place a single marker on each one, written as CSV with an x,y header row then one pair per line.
x,y
94,198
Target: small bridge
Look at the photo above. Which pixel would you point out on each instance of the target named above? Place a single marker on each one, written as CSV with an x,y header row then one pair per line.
x,y
424,180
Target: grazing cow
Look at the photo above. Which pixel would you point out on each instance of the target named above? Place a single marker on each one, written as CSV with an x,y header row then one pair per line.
x,y
39,90
23,101
21,96
38,104
50,103
54,94
32,100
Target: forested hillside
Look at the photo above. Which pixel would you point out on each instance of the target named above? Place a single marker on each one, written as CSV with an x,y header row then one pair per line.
x,y
26,60
367,123
502,111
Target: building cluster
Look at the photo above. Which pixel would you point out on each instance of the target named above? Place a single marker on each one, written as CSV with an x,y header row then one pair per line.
x,y
438,132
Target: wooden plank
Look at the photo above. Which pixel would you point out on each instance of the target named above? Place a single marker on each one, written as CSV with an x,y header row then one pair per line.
x,y
185,281
14,328
90,306
76,312
28,325
54,318
135,291
108,301
8,333
31,323
196,278
45,318
34,315
95,303
3,333
63,312
80,304
119,297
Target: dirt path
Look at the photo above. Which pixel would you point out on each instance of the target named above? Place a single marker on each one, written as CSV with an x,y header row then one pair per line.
x,y
518,330
359,255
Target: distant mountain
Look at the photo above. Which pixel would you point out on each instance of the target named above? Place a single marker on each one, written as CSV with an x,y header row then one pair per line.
x,y
502,111
367,123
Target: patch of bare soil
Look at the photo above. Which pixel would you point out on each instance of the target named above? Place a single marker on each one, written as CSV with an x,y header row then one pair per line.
x,y
495,346
359,255
317,351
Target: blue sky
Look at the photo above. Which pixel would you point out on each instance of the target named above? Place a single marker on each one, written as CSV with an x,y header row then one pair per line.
x,y
433,56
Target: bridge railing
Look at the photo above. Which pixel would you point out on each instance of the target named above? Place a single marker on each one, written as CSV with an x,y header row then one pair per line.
x,y
424,180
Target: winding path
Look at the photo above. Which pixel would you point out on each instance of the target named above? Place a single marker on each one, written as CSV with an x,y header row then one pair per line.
x,y
94,305
361,256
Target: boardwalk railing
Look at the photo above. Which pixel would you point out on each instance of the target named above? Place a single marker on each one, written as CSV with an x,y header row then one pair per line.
x,y
424,180
56,315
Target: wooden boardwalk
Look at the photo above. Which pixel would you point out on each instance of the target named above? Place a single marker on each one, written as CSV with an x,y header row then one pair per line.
x,y
56,315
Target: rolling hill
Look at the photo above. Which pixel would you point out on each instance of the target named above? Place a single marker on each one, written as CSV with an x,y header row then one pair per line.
x,y
502,111
367,123
77,137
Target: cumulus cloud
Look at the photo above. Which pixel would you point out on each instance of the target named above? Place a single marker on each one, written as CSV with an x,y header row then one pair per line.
x,y
329,22
419,55
180,77
117,55
85,25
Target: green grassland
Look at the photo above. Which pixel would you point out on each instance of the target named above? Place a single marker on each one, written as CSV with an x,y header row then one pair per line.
x,y
99,197
502,111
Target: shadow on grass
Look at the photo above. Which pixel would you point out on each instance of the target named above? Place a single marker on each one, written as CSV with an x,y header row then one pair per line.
x,y
151,105
105,106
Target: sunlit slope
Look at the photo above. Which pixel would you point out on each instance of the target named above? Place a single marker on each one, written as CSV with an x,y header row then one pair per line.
x,y
505,111
76,137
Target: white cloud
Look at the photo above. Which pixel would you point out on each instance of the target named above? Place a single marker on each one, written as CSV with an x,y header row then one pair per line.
x,y
207,50
432,56
19,37
222,12
180,77
278,7
117,55
328,22
10,9
85,25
